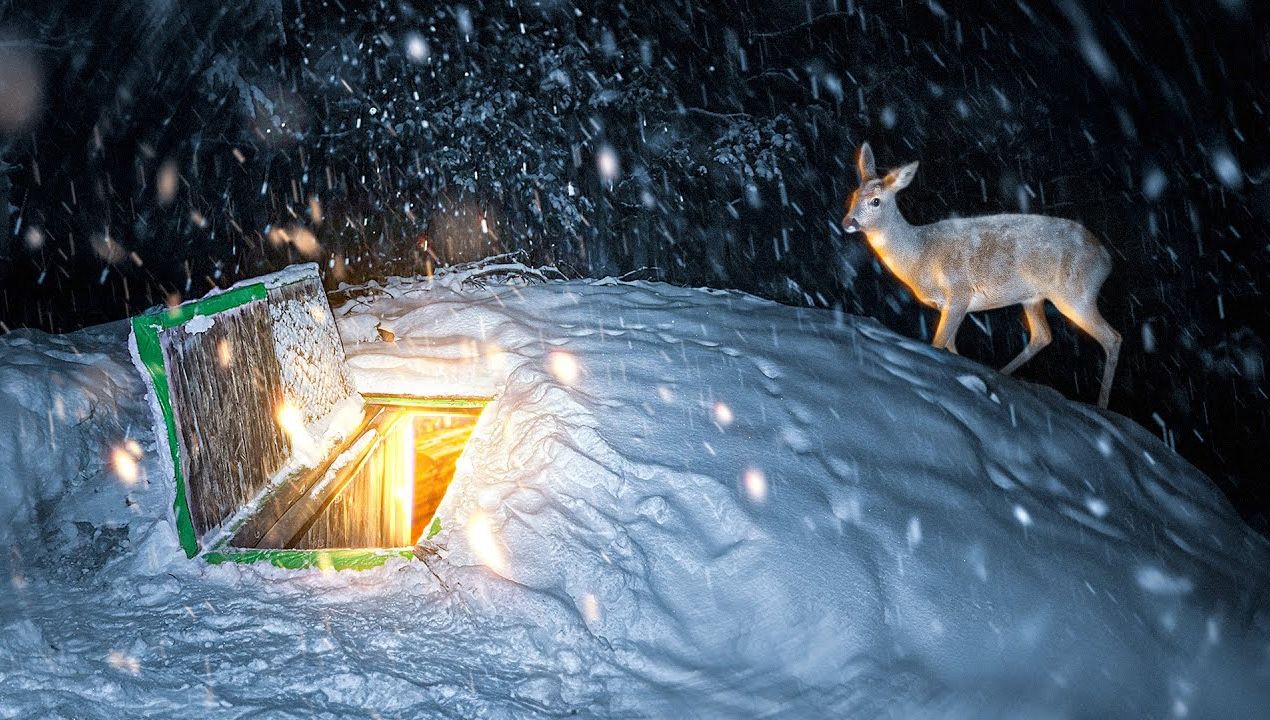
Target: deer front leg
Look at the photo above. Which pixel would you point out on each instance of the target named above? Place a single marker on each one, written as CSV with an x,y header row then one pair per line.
x,y
951,314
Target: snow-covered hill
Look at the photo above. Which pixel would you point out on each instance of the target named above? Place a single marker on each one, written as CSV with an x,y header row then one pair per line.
x,y
682,503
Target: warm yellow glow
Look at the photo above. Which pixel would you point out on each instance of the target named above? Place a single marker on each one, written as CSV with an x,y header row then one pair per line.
x,y
124,462
224,353
305,242
564,367
317,313
723,414
404,491
167,182
877,240
496,357
292,423
480,537
289,418
124,662
755,484
386,492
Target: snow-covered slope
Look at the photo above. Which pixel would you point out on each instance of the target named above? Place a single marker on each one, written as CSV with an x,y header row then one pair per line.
x,y
65,403
682,503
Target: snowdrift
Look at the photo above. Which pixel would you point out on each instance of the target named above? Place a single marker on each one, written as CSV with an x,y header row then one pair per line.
x,y
65,403
680,503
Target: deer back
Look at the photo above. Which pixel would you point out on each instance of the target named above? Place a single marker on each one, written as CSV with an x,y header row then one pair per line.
x,y
1002,260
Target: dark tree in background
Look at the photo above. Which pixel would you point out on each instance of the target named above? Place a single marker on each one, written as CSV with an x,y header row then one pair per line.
x,y
150,151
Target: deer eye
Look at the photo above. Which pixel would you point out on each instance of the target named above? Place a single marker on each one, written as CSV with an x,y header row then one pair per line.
x,y
875,202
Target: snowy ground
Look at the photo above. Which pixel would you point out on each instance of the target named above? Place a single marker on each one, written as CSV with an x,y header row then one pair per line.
x,y
681,504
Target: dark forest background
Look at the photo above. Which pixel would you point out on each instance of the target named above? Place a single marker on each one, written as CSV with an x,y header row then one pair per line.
x,y
152,150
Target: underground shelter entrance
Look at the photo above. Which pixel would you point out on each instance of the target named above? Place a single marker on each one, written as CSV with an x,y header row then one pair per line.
x,y
274,456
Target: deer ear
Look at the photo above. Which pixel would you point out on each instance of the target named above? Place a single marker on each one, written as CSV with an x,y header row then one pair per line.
x,y
864,163
899,178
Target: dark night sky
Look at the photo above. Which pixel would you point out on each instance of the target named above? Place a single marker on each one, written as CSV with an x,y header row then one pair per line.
x,y
152,151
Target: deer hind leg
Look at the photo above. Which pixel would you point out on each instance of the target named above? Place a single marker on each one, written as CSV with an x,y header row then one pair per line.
x,y
1039,335
1087,318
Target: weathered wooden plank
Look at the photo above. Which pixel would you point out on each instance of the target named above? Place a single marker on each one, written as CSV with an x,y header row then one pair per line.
x,y
364,511
329,515
362,505
291,490
369,510
226,388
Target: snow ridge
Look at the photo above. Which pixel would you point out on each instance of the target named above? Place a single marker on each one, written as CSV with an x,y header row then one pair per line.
x,y
694,504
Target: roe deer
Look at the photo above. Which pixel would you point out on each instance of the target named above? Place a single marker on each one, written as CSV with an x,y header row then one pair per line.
x,y
967,264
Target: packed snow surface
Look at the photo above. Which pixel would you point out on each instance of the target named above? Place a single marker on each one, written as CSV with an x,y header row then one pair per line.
x,y
681,503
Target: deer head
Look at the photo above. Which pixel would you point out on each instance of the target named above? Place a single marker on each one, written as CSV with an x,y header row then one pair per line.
x,y
873,203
